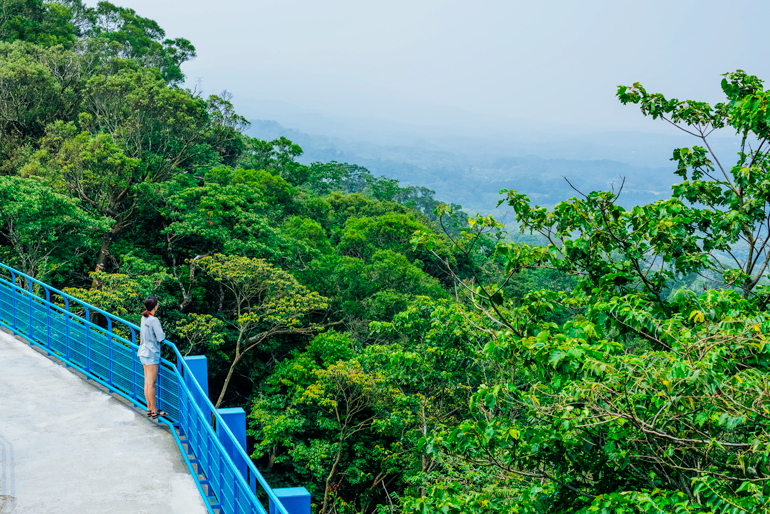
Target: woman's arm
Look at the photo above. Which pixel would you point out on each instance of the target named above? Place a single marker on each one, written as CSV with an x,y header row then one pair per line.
x,y
160,336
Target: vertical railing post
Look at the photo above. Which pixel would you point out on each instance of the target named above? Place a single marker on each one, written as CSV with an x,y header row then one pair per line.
x,y
182,397
133,366
180,389
13,300
48,315
221,494
2,290
109,351
236,497
235,419
158,391
67,329
88,340
31,318
204,443
197,365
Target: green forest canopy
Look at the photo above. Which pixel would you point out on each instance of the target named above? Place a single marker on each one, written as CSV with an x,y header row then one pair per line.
x,y
394,354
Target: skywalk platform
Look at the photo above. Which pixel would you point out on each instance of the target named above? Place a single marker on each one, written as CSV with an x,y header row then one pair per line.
x,y
67,446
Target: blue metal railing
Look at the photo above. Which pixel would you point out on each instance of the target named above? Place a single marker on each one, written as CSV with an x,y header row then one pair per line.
x,y
44,316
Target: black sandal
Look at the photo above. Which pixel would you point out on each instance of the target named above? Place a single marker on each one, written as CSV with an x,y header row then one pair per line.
x,y
159,414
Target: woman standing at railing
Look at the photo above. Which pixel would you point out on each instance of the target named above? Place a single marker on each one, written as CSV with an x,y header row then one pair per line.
x,y
150,336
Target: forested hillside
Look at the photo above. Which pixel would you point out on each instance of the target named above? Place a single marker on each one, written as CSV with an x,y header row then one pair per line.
x,y
393,354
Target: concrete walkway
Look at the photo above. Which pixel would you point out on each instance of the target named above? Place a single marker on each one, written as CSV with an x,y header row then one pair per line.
x,y
66,446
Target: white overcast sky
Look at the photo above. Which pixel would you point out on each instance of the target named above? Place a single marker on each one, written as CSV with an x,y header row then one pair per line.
x,y
444,62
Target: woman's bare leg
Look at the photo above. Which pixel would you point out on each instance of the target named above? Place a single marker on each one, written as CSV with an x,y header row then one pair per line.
x,y
150,376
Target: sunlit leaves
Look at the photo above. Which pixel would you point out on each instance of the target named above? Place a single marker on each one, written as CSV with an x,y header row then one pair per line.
x,y
200,329
262,294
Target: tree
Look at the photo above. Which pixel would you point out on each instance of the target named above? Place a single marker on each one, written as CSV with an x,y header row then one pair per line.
x,y
262,302
38,86
226,128
351,394
431,353
94,170
141,132
581,423
363,236
277,156
642,251
216,218
36,21
291,433
360,292
164,127
118,293
124,34
47,232
234,212
123,293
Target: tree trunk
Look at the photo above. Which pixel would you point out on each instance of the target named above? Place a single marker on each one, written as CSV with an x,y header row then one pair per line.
x,y
424,458
332,472
221,297
187,296
227,380
104,252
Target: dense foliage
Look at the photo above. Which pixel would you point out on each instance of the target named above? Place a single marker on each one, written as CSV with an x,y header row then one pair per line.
x,y
394,354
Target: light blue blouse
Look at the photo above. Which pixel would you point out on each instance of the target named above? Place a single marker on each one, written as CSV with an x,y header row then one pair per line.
x,y
150,336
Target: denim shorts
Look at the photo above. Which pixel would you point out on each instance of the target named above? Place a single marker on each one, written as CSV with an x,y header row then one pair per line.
x,y
154,358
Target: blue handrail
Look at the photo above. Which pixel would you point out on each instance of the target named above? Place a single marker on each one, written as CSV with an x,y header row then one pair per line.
x,y
106,355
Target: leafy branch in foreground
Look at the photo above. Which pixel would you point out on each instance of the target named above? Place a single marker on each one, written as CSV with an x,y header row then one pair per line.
x,y
727,215
652,398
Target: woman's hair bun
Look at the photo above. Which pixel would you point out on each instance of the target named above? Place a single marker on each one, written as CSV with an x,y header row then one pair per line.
x,y
149,304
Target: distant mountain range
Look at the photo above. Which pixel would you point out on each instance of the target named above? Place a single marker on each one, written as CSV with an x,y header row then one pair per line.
x,y
475,179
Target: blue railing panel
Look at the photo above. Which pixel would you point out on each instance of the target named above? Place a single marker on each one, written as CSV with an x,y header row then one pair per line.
x,y
64,326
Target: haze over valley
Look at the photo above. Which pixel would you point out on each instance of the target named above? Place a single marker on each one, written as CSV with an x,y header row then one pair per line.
x,y
470,166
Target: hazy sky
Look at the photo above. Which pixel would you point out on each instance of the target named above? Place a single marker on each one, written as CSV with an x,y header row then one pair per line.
x,y
446,62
